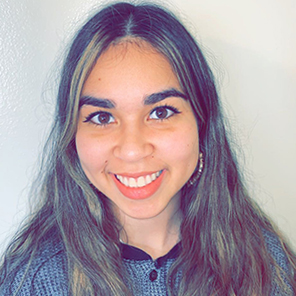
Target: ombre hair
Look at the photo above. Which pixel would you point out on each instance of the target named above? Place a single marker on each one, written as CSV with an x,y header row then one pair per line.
x,y
223,231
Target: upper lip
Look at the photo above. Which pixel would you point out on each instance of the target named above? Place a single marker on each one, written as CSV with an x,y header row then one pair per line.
x,y
137,175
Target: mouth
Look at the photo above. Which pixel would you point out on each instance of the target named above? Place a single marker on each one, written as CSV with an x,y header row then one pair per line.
x,y
141,187
138,182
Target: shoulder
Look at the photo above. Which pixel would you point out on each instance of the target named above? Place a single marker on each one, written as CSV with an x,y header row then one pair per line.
x,y
45,275
275,249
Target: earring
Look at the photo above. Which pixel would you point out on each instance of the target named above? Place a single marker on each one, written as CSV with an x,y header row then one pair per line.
x,y
196,175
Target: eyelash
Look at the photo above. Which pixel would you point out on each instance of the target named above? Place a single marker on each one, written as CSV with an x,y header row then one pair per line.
x,y
91,116
172,109
167,107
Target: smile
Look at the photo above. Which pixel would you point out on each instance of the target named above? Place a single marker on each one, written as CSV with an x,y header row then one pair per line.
x,y
141,187
138,182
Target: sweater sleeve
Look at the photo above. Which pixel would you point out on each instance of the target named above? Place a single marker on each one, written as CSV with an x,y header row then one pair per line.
x,y
51,278
46,276
276,251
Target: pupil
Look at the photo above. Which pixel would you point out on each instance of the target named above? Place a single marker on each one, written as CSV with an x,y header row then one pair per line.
x,y
161,112
104,118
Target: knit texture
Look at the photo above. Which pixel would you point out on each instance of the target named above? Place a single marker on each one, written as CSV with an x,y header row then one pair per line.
x,y
47,276
148,277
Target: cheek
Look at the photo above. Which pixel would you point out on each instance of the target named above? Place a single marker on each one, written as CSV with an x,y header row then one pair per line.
x,y
182,145
90,153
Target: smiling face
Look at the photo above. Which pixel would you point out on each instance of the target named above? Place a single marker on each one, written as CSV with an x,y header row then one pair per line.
x,y
137,137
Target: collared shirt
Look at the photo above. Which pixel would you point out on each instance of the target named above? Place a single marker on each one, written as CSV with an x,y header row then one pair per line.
x,y
148,276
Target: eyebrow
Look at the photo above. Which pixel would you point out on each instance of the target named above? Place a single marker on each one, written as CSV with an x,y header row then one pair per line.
x,y
157,97
96,102
149,100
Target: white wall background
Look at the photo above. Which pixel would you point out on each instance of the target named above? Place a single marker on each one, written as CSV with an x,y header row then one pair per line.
x,y
251,44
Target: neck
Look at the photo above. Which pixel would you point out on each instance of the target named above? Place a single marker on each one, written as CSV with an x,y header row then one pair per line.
x,y
156,235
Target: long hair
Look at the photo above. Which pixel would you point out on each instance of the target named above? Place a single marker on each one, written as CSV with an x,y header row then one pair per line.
x,y
222,234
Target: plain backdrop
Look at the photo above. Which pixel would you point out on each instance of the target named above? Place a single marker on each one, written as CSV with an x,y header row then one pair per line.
x,y
250,44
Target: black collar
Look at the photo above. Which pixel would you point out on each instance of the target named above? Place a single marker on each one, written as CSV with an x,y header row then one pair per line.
x,y
133,253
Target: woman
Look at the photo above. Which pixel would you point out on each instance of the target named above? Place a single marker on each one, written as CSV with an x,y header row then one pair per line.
x,y
140,191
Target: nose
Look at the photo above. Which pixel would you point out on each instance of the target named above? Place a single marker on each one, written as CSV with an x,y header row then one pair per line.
x,y
133,144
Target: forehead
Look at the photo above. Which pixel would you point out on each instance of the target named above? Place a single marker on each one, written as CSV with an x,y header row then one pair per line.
x,y
131,49
130,66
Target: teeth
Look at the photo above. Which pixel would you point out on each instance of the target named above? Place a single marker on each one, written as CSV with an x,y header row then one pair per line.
x,y
141,182
138,182
132,182
125,181
148,179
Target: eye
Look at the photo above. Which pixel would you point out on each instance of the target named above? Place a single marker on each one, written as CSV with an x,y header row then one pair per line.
x,y
163,112
100,118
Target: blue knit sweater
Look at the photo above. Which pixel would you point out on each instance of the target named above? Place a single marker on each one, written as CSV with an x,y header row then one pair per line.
x,y
47,276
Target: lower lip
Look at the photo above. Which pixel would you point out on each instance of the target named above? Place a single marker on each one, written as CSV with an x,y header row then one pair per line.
x,y
140,192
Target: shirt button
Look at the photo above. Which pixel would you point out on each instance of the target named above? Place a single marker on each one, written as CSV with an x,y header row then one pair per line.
x,y
153,275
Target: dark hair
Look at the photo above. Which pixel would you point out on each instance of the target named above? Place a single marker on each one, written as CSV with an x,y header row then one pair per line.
x,y
222,234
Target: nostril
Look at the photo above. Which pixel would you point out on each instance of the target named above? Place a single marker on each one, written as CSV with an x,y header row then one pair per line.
x,y
133,143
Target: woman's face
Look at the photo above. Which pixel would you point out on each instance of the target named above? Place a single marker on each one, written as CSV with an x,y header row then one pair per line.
x,y
137,137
